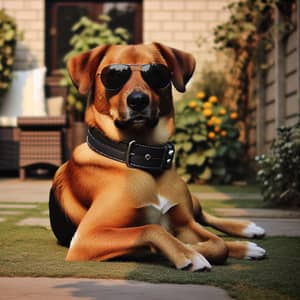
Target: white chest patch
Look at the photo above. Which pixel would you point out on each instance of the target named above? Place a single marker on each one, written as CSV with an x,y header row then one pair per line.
x,y
157,213
164,204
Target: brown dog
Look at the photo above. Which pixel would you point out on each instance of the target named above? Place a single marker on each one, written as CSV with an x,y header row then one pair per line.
x,y
119,192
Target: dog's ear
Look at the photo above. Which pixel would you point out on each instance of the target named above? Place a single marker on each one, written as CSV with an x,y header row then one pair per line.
x,y
82,68
180,63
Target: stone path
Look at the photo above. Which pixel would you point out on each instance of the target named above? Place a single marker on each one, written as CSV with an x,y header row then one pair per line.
x,y
99,289
257,213
28,191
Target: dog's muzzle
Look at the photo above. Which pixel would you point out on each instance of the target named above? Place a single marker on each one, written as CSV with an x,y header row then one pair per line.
x,y
140,114
138,101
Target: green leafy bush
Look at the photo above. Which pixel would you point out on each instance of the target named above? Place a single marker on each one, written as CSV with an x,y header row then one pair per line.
x,y
207,145
8,38
279,174
87,35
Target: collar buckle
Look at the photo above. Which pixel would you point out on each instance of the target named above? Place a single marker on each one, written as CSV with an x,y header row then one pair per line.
x,y
169,151
129,153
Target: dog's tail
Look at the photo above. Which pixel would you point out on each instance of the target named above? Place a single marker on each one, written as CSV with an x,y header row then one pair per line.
x,y
62,227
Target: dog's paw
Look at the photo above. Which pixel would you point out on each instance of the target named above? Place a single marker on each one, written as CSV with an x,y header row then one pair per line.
x,y
199,263
195,262
254,251
252,231
185,265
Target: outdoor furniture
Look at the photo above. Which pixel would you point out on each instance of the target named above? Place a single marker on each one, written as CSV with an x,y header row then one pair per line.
x,y
9,149
41,142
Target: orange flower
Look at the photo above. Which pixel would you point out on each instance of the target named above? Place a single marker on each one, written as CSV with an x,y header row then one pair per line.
x,y
217,121
223,133
233,116
192,104
213,99
210,122
207,112
217,129
211,135
201,95
207,105
222,112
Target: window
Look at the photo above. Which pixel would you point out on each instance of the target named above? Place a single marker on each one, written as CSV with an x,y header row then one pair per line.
x,y
62,14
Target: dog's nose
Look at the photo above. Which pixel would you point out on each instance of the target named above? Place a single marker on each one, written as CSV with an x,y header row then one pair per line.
x,y
137,101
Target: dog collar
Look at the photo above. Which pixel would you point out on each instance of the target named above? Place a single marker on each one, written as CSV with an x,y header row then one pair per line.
x,y
135,155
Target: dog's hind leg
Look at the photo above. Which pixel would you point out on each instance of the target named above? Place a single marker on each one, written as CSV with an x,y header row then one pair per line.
x,y
65,213
236,249
62,227
245,250
234,227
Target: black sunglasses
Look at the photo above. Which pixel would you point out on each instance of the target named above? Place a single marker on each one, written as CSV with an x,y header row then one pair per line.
x,y
115,76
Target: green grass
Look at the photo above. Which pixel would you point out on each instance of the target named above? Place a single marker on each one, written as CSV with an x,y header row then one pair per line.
x,y
224,188
209,205
33,251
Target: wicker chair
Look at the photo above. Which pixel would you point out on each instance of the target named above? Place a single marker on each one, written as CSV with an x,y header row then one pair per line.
x,y
41,142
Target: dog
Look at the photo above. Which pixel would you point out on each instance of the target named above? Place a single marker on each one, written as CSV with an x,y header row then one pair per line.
x,y
119,193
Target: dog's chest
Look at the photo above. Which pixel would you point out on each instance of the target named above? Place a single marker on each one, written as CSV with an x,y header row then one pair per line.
x,y
158,213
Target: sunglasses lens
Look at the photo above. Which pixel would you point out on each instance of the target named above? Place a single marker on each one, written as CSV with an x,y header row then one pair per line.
x,y
114,77
156,75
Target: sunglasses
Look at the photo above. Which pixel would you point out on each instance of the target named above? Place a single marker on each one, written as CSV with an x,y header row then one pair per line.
x,y
114,76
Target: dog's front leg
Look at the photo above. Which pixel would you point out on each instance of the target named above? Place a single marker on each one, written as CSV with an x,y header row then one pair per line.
x,y
105,243
208,244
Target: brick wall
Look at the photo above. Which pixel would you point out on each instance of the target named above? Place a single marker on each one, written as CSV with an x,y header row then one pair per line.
x,y
180,23
30,18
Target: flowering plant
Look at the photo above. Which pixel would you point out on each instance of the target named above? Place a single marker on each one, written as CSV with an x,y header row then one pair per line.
x,y
206,139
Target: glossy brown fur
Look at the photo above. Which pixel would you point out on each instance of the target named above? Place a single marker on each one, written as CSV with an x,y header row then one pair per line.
x,y
111,203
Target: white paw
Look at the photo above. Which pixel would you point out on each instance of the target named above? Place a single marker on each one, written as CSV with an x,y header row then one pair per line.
x,y
254,251
252,230
186,264
199,263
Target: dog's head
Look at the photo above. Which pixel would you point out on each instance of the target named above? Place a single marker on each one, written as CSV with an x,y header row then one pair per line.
x,y
130,89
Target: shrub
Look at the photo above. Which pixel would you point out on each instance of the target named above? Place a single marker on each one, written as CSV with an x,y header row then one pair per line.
x,y
206,139
8,38
87,35
279,174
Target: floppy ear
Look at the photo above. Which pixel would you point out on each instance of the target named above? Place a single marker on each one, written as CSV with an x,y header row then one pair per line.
x,y
180,63
82,68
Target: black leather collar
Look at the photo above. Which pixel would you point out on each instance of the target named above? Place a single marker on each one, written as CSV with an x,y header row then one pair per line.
x,y
153,159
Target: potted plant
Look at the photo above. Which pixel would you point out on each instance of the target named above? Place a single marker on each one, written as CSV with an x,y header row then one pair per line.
x,y
88,34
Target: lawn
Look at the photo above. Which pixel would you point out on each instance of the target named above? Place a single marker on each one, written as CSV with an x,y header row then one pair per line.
x,y
224,188
33,251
